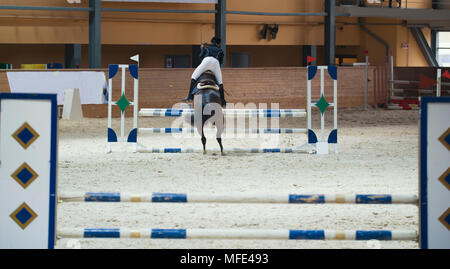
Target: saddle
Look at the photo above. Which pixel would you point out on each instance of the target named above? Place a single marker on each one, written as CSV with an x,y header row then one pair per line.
x,y
207,81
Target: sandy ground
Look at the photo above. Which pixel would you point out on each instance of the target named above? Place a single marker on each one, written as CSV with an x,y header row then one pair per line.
x,y
378,153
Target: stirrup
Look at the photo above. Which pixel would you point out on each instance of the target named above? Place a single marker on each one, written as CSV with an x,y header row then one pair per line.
x,y
187,99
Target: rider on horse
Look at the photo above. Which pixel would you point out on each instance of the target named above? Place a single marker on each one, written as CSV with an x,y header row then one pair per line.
x,y
212,58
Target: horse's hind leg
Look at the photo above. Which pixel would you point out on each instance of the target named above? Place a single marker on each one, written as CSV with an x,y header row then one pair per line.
x,y
202,134
219,140
220,129
203,140
204,143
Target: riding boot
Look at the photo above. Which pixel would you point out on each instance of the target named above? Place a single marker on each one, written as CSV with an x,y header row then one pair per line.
x,y
222,95
190,95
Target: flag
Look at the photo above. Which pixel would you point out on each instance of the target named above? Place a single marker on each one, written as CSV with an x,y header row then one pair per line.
x,y
310,59
446,74
135,58
426,82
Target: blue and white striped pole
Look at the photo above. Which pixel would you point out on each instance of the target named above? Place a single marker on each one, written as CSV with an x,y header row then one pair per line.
x,y
226,130
226,150
267,113
241,198
238,234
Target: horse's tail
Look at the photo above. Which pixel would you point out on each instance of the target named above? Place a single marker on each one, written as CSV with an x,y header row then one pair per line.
x,y
210,108
191,118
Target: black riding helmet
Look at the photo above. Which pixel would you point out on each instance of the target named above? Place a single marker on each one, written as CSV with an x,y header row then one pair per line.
x,y
215,41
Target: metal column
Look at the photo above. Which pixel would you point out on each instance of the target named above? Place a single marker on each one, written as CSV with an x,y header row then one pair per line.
x,y
309,50
72,57
330,32
434,43
424,47
95,49
221,27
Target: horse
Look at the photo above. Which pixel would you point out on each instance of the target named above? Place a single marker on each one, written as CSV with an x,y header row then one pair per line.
x,y
208,106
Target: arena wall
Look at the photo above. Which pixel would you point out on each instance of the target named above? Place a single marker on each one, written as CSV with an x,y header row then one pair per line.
x,y
162,88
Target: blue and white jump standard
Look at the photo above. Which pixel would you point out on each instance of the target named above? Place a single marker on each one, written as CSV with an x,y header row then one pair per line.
x,y
322,104
123,103
321,147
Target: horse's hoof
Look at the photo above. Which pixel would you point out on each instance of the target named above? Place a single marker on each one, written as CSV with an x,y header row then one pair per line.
x,y
204,152
222,153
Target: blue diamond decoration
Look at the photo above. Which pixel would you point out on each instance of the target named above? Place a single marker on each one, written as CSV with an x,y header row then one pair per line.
x,y
23,215
24,175
25,135
445,139
445,219
445,178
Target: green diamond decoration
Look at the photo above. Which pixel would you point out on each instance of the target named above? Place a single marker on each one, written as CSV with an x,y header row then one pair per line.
x,y
123,103
322,104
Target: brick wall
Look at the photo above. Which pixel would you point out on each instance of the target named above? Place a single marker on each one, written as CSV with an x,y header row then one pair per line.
x,y
163,88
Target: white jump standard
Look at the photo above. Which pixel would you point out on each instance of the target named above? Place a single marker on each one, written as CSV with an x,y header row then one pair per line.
x,y
321,146
123,103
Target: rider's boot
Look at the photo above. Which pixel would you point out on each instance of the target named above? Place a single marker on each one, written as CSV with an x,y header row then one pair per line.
x,y
190,95
222,95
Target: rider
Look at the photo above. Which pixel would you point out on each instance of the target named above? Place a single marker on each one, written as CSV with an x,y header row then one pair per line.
x,y
212,58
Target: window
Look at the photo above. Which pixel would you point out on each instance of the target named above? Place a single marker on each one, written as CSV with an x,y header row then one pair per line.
x,y
177,61
443,48
239,60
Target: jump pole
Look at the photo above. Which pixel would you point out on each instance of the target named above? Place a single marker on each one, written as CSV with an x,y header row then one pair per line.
x,y
253,234
239,198
226,130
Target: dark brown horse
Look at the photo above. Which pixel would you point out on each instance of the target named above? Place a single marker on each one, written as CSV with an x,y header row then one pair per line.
x,y
208,106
